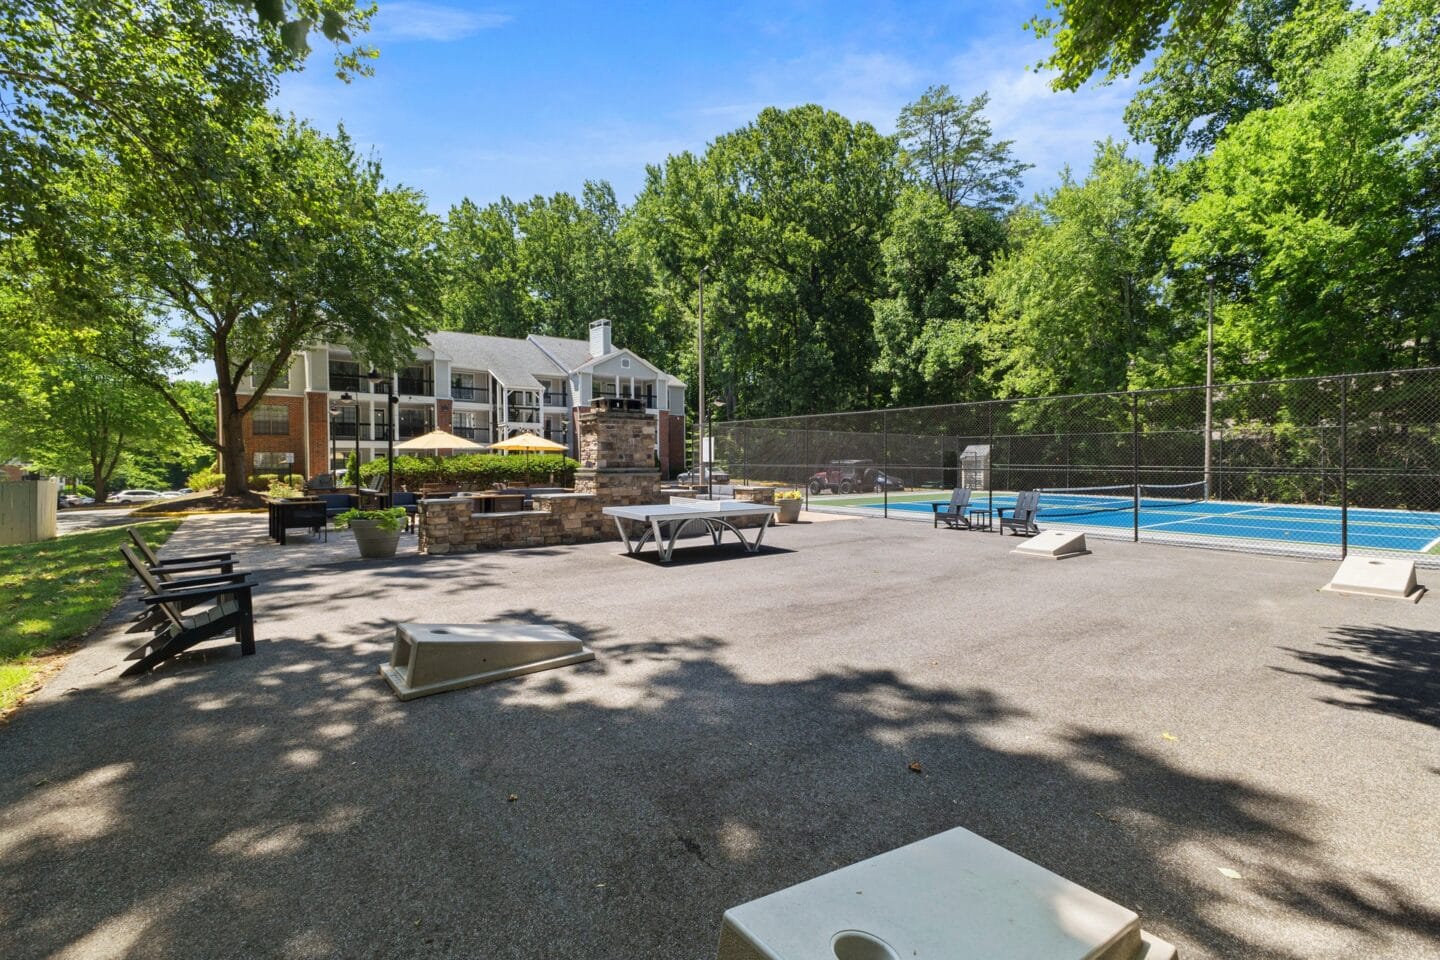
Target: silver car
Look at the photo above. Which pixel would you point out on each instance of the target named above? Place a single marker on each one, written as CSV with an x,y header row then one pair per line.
x,y
135,496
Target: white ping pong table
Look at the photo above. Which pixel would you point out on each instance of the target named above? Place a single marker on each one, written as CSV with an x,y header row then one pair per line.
x,y
664,522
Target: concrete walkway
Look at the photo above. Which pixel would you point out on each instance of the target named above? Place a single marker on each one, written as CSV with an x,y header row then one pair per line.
x,y
1138,721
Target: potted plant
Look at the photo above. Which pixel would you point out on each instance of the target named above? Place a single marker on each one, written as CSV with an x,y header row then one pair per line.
x,y
789,503
377,532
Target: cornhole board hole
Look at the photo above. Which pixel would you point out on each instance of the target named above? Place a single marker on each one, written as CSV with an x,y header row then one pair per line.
x,y
955,895
1374,577
434,657
1053,545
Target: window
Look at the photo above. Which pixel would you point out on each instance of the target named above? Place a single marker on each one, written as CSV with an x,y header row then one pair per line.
x,y
270,420
274,461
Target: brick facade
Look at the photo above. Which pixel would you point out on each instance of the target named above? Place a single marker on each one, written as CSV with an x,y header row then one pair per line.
x,y
318,415
292,442
444,414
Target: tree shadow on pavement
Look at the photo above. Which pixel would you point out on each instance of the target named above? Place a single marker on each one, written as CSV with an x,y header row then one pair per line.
x,y
1389,670
285,805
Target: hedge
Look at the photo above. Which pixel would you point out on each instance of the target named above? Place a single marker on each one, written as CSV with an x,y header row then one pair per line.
x,y
213,480
477,470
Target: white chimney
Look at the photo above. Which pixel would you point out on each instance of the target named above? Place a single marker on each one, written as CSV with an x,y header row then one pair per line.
x,y
600,338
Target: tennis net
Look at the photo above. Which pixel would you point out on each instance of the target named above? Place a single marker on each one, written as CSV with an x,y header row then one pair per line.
x,y
1056,502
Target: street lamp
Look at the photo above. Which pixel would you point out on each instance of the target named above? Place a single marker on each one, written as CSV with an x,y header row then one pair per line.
x,y
347,400
390,401
334,412
1209,379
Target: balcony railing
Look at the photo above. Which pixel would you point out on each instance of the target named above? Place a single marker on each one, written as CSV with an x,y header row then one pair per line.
x,y
473,394
341,430
554,399
647,397
349,382
478,434
417,388
522,414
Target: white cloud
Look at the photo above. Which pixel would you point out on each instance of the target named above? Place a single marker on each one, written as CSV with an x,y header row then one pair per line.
x,y
417,20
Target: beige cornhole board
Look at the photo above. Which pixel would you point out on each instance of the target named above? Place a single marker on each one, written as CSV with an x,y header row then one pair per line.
x,y
1053,545
434,657
955,895
1374,577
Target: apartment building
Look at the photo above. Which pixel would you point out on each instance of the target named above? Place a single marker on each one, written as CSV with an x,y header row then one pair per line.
x,y
482,388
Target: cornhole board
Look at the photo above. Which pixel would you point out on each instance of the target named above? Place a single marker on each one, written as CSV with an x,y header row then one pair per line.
x,y
955,895
1391,579
435,657
1054,545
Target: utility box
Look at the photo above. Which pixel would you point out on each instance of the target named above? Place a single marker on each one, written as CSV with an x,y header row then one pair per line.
x,y
955,895
27,510
975,467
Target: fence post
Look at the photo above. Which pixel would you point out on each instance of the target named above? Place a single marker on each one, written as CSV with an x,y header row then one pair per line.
x,y
990,461
885,456
1135,466
1344,467
805,478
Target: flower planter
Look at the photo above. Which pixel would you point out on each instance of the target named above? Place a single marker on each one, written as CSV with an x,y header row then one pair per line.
x,y
374,541
789,511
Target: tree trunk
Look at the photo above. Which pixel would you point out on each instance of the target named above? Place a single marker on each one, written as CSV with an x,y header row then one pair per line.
x,y
98,482
232,445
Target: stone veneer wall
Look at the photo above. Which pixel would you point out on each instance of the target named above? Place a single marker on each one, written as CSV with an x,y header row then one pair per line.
x,y
617,456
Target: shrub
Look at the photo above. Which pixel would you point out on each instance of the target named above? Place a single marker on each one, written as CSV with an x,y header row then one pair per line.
x,y
352,471
389,518
478,470
261,482
206,479
80,489
285,491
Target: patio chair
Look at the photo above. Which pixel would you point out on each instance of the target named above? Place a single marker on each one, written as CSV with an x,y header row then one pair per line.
x,y
1022,515
338,503
226,609
953,513
170,566
319,482
166,578
411,503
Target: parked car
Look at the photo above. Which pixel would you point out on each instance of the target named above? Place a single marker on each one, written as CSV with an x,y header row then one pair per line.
x,y
75,500
135,496
717,475
172,494
853,476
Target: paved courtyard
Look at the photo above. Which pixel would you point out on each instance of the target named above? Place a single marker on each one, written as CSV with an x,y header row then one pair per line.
x,y
1136,720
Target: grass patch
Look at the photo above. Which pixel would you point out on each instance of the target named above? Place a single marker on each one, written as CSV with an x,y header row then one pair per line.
x,y
54,592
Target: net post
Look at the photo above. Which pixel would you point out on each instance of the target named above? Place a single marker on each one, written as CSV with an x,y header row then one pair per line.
x,y
1344,467
990,465
1135,467
885,458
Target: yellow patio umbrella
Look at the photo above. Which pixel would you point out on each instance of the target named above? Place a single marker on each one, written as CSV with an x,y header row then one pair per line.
x,y
438,440
528,443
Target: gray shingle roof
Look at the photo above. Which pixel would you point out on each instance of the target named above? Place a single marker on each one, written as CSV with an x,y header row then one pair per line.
x,y
514,363
570,353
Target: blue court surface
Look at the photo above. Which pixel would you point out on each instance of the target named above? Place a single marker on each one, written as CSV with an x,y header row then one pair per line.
x,y
1313,527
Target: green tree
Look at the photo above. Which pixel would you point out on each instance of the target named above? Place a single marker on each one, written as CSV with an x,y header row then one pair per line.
x,y
1321,214
1079,297
948,145
787,215
294,240
1112,37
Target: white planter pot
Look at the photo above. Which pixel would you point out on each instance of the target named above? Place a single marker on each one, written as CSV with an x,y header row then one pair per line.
x,y
373,541
789,510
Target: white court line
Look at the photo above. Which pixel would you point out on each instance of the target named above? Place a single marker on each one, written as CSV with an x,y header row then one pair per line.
x,y
1203,516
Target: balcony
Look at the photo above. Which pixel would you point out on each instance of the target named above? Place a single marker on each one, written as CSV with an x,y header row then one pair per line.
x,y
554,398
348,382
478,434
648,398
472,394
417,388
342,430
518,414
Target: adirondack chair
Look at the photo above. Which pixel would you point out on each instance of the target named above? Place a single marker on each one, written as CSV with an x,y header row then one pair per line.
x,y
228,610
953,513
1022,515
167,568
166,577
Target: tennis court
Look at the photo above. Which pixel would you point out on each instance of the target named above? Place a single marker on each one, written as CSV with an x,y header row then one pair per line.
x,y
1180,512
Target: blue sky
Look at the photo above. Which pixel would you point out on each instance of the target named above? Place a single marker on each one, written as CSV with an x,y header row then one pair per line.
x,y
480,100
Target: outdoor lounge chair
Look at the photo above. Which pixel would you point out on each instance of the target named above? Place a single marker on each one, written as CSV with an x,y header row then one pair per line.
x,y
222,607
953,513
1022,515
166,578
338,503
167,568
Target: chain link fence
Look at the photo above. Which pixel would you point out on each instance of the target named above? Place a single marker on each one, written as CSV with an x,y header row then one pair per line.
x,y
1317,467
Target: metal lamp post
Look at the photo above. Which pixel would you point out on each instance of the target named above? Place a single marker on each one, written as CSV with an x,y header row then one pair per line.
x,y
346,400
390,401
334,412
1209,380
700,405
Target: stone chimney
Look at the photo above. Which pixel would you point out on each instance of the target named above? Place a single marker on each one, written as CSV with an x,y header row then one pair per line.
x,y
600,343
617,457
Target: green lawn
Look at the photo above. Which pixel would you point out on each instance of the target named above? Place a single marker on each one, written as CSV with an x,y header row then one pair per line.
x,y
54,591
